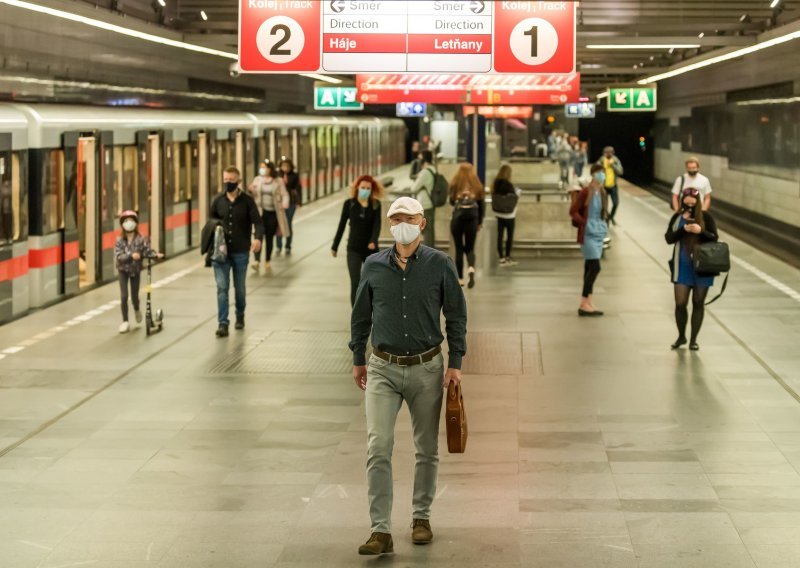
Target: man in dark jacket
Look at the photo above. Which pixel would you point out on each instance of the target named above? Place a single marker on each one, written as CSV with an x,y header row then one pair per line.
x,y
238,215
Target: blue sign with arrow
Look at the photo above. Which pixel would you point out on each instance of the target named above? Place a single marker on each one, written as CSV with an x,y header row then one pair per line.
x,y
410,110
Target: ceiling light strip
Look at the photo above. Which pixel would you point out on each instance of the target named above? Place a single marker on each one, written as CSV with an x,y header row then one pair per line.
x,y
643,46
720,58
117,29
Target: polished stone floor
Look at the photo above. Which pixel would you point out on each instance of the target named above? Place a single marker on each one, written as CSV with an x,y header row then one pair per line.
x,y
592,444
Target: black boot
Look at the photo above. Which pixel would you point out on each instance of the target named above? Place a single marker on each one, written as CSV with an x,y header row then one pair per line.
x,y
239,322
222,330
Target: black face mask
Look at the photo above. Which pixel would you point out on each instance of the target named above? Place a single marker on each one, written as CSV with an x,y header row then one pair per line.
x,y
686,208
692,172
231,186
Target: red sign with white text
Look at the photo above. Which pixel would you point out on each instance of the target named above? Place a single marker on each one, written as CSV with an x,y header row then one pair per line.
x,y
469,89
500,111
406,36
279,36
534,37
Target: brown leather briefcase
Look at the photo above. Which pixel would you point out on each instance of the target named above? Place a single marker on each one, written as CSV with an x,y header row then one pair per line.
x,y
456,418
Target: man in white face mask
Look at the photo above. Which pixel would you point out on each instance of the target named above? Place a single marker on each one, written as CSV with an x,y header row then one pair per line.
x,y
402,293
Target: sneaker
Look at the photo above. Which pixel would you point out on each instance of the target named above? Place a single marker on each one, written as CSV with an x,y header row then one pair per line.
x,y
471,277
254,266
378,543
503,261
421,531
288,252
222,330
510,261
239,322
138,314
124,327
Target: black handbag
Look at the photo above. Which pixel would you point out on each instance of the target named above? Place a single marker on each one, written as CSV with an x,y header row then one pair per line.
x,y
710,259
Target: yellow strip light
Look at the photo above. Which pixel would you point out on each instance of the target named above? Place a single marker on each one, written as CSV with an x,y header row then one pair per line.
x,y
137,34
720,58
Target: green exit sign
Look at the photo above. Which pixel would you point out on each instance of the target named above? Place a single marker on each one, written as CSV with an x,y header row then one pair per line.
x,y
336,98
632,99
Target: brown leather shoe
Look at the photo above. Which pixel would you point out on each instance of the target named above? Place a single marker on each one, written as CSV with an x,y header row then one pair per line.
x,y
421,533
378,543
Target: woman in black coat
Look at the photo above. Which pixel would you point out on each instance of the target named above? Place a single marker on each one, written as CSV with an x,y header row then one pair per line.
x,y
688,228
363,211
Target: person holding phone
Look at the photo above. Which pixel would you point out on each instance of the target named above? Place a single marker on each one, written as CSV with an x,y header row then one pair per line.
x,y
688,228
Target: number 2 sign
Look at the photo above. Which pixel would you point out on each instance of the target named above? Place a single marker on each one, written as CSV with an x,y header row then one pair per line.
x,y
279,35
534,37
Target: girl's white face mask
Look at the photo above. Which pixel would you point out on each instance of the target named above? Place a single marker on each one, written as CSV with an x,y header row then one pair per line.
x,y
129,225
405,233
262,171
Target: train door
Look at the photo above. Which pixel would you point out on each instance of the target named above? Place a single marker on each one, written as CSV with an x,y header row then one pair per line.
x,y
214,170
329,178
304,163
322,161
284,145
80,236
314,172
109,207
151,203
7,264
199,201
336,157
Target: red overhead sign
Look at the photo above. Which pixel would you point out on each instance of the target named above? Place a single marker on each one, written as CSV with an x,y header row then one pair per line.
x,y
499,111
469,89
406,36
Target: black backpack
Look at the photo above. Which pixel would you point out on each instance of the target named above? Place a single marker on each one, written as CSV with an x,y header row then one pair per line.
x,y
441,189
504,202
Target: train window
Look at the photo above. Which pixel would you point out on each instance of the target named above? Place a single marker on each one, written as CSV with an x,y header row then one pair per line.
x,y
19,194
6,199
186,170
52,191
181,157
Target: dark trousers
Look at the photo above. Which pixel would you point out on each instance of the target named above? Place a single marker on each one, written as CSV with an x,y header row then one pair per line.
x,y
591,268
134,280
289,217
506,225
270,219
464,231
355,261
613,193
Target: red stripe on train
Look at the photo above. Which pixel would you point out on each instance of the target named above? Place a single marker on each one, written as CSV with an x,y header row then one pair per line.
x,y
44,258
13,268
177,220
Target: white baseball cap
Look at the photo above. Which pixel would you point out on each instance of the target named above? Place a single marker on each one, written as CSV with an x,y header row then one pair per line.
x,y
407,205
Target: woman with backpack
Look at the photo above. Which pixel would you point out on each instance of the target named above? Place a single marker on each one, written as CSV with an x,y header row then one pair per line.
x,y
688,228
363,211
467,199
505,199
589,212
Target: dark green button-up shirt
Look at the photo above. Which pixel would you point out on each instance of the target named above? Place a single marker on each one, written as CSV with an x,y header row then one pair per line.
x,y
402,307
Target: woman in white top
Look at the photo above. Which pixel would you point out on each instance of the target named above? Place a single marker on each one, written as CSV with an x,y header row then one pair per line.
x,y
272,199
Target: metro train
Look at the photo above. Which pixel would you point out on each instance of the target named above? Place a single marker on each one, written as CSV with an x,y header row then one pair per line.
x,y
67,171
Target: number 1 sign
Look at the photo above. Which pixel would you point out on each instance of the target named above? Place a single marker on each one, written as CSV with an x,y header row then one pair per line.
x,y
534,37
279,35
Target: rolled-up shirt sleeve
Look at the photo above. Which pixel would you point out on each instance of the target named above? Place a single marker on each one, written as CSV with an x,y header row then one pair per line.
x,y
361,320
454,308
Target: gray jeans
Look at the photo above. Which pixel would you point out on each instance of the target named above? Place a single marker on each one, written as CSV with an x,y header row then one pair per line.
x,y
421,387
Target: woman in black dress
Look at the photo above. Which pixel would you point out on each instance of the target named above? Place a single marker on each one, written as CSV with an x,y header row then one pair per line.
x,y
363,210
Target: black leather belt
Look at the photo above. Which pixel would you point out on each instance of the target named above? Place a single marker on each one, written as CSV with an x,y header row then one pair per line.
x,y
407,360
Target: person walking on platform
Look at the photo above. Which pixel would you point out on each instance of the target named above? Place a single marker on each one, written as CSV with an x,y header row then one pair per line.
x,y
416,160
689,227
238,214
422,191
692,178
581,157
505,199
292,183
363,210
565,156
269,193
589,212
131,247
613,170
403,292
467,199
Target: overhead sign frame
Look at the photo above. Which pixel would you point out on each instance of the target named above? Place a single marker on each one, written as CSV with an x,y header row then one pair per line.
x,y
406,36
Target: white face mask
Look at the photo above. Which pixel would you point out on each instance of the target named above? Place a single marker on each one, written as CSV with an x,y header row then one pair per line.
x,y
129,225
262,172
405,233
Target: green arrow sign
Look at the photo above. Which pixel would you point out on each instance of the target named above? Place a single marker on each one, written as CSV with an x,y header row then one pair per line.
x,y
336,98
632,99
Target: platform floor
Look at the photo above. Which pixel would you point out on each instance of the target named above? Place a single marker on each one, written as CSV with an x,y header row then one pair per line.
x,y
592,444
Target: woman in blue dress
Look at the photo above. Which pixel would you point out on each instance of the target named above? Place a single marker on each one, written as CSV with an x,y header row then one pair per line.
x,y
689,227
589,214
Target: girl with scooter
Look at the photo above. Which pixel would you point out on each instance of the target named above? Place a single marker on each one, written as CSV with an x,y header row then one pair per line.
x,y
131,247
